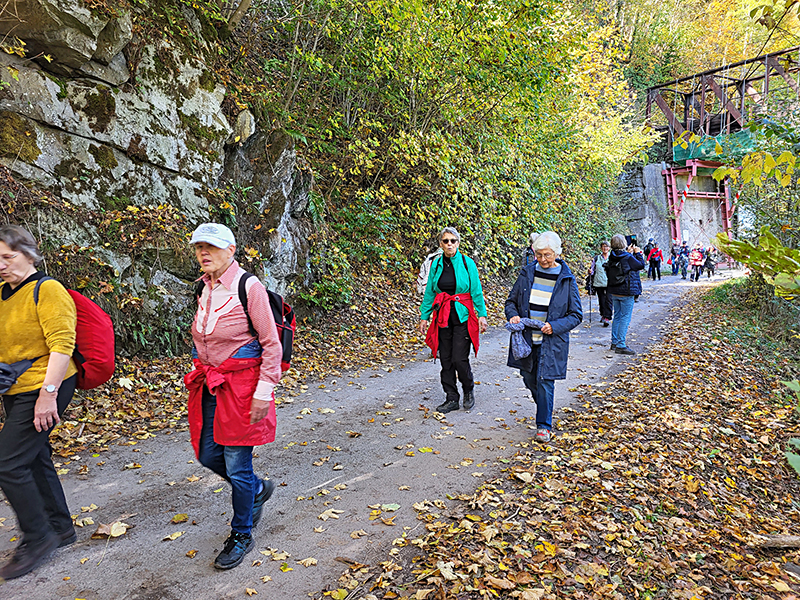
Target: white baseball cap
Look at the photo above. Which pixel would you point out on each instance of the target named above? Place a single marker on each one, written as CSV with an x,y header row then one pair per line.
x,y
214,234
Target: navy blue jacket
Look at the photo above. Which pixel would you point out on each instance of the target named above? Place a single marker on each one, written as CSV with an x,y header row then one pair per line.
x,y
633,283
564,313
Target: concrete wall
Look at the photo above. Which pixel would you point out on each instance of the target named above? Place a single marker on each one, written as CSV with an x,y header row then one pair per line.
x,y
644,200
642,190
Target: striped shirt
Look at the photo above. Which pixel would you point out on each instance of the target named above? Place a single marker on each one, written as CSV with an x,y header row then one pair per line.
x,y
544,280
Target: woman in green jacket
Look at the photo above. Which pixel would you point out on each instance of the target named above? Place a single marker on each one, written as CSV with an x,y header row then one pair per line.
x,y
454,298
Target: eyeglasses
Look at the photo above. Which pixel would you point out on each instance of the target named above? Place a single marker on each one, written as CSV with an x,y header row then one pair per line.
x,y
6,260
450,241
544,254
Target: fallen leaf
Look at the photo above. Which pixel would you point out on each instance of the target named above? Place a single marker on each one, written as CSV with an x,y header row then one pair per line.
x,y
172,536
308,562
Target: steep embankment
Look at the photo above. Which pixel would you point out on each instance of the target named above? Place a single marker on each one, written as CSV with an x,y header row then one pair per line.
x,y
120,117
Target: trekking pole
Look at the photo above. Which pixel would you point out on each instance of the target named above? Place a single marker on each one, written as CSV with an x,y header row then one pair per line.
x,y
590,307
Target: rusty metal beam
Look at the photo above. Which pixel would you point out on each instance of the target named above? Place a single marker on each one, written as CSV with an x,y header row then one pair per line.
x,y
771,62
752,92
729,106
676,125
672,83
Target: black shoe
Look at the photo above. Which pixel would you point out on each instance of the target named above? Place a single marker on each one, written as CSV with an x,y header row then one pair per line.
x,y
627,351
28,556
469,399
613,346
448,406
261,497
68,537
236,546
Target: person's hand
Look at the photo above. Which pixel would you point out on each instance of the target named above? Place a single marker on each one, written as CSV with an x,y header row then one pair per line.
x,y
258,410
482,324
423,326
45,413
548,329
514,320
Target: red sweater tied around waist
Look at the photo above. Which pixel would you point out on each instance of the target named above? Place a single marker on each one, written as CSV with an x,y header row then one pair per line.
x,y
441,316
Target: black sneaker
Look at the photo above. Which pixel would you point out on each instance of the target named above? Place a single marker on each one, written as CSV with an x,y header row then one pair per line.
x,y
469,399
67,538
29,555
236,546
613,346
261,497
627,351
448,406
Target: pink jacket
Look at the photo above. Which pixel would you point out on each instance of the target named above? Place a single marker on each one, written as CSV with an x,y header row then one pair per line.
x,y
228,362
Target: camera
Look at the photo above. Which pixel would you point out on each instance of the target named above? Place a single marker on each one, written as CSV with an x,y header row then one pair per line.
x,y
631,240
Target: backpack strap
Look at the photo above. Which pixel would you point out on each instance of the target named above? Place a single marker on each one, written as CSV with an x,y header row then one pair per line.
x,y
36,289
243,299
469,277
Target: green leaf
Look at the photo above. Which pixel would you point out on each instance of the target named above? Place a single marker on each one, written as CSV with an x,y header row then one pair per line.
x,y
794,461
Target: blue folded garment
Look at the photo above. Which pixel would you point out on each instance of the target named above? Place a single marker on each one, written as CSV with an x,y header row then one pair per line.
x,y
519,347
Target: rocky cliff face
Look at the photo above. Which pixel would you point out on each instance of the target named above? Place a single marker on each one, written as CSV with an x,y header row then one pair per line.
x,y
108,121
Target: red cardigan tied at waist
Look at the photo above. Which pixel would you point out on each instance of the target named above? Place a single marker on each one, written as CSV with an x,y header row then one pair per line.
x,y
441,315
233,383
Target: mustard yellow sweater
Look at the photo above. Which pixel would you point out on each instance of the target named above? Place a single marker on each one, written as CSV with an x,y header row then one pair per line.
x,y
26,332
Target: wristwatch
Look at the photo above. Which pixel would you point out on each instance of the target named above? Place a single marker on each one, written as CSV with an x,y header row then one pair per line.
x,y
50,388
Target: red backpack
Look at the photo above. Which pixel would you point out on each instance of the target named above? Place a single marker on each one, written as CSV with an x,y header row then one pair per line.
x,y
94,340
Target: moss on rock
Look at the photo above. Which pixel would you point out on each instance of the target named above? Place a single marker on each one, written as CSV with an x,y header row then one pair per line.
x,y
100,108
103,156
207,81
18,137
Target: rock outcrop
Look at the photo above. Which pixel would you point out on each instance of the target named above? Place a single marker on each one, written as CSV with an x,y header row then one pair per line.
x,y
75,121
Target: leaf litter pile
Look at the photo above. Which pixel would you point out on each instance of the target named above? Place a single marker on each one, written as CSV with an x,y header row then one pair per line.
x,y
667,482
146,397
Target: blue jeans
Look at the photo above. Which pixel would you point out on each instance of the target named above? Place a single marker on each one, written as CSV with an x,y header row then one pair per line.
x,y
542,391
623,310
232,463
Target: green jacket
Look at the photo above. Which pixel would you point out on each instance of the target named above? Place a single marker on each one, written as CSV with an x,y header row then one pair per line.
x,y
467,281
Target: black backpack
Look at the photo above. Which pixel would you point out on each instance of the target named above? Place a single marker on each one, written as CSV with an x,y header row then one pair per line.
x,y
617,269
285,321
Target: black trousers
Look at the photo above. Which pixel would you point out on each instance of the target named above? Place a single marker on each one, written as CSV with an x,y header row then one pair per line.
x,y
27,475
604,300
454,346
655,269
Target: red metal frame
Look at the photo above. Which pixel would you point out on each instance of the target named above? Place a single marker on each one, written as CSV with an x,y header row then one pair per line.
x,y
676,198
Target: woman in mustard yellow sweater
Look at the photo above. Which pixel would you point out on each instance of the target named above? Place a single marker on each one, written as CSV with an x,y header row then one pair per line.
x,y
45,335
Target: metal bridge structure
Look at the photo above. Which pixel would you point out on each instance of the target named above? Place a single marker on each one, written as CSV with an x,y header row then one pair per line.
x,y
707,110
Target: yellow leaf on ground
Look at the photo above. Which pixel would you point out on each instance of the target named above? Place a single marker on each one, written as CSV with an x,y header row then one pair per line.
x,y
308,562
172,536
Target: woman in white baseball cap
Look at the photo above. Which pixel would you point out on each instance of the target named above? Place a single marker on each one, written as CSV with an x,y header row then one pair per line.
x,y
237,363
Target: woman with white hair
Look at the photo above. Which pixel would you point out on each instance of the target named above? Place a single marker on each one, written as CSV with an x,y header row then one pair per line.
x,y
545,291
454,304
237,364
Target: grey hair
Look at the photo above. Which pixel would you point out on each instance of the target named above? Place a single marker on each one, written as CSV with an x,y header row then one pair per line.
x,y
19,239
450,230
534,235
618,242
548,239
605,243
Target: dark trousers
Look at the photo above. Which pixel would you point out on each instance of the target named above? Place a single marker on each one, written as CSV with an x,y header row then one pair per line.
x,y
27,475
454,346
604,300
655,269
233,463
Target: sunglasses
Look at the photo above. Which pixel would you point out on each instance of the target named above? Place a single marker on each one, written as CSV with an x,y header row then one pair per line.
x,y
450,241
